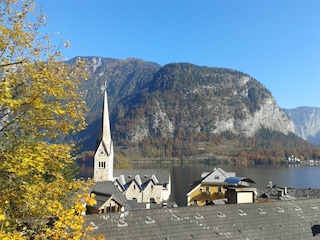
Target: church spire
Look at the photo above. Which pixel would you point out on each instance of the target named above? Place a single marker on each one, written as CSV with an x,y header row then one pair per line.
x,y
106,134
103,158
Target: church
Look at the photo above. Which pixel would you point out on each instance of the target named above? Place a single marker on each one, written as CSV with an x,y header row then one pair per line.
x,y
123,189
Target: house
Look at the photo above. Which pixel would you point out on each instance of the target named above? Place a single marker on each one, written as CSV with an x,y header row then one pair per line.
x,y
106,202
293,219
221,185
239,190
144,185
241,195
209,188
109,199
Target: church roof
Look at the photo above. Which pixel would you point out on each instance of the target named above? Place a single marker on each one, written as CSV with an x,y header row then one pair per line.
x,y
296,219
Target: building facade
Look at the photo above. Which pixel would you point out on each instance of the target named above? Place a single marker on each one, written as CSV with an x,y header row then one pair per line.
x,y
209,188
144,185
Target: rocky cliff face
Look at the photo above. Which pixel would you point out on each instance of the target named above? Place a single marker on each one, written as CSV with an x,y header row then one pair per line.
x,y
193,99
306,123
268,116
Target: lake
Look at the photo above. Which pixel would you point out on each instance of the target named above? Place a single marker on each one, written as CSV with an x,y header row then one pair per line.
x,y
285,176
295,176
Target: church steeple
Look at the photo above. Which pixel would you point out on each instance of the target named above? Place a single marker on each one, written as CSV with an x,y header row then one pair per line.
x,y
103,158
106,134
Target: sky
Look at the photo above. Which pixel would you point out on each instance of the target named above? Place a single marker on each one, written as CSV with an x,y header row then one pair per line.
x,y
277,42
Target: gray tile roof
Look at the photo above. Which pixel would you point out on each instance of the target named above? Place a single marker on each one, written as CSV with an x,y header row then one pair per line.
x,y
162,175
297,219
108,187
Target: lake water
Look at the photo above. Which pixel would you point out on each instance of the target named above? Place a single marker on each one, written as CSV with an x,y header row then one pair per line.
x,y
284,176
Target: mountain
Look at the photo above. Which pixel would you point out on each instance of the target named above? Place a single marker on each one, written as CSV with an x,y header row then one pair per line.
x,y
183,96
182,110
306,123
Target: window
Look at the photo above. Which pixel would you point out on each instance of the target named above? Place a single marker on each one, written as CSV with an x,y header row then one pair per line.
x,y
207,188
200,189
134,186
195,201
102,164
216,177
219,189
151,187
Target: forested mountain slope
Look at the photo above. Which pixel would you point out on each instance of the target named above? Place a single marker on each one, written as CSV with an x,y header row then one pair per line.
x,y
182,110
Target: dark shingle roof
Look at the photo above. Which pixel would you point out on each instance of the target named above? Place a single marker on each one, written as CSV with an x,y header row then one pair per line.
x,y
108,188
101,199
298,219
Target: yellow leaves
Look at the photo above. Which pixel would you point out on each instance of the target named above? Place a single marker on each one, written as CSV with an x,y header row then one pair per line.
x,y
39,98
42,99
10,236
2,216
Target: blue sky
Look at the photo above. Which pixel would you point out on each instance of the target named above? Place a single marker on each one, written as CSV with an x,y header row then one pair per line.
x,y
275,41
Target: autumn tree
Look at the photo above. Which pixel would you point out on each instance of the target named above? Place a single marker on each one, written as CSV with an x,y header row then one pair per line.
x,y
122,162
39,101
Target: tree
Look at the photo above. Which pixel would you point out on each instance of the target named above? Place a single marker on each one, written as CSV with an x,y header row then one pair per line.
x,y
39,102
122,161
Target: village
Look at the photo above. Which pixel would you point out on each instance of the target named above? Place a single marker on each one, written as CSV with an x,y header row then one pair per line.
x,y
135,204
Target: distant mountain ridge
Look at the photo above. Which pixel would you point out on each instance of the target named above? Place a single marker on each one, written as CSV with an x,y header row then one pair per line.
x,y
306,123
181,109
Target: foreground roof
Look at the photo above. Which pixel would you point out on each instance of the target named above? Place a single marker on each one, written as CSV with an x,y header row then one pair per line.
x,y
296,219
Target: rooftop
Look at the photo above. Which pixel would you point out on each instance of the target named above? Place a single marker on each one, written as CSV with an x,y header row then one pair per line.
x,y
107,188
162,175
294,219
